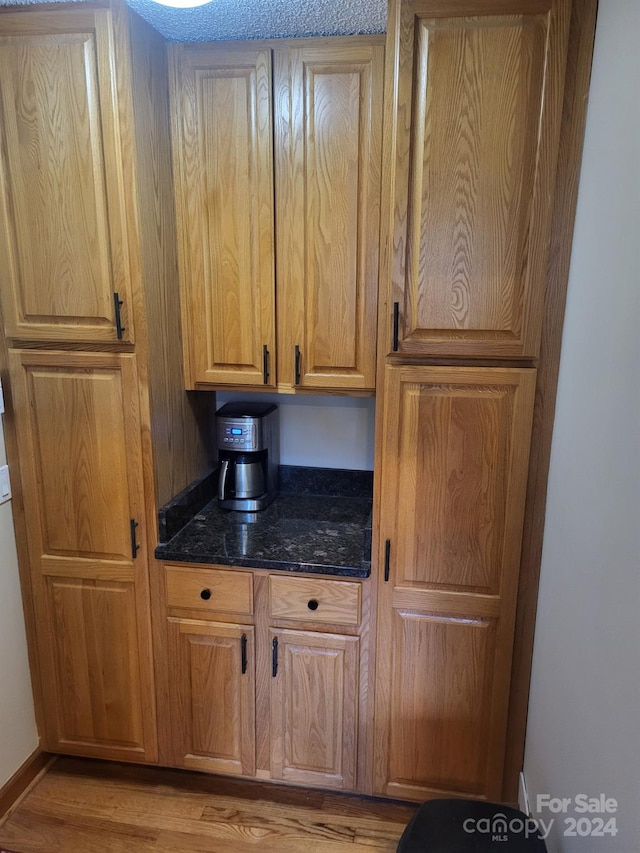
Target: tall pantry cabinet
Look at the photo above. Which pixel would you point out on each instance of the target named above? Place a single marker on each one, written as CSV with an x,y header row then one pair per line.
x,y
96,413
475,93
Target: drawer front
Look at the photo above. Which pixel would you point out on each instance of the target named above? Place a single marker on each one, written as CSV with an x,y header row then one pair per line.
x,y
213,590
314,600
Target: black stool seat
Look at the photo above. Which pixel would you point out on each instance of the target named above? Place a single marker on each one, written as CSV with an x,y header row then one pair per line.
x,y
469,826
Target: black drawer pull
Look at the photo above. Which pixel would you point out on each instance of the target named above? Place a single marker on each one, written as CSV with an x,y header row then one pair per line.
x,y
134,543
205,594
387,559
243,653
396,325
296,365
117,305
274,657
312,604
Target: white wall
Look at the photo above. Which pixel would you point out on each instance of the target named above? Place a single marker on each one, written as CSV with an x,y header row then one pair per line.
x,y
321,431
18,735
583,733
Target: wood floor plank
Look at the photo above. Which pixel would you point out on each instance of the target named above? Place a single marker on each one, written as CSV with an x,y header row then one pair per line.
x,y
309,822
85,806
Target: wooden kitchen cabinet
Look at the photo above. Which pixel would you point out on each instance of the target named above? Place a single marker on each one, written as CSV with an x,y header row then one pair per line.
x,y
223,164
484,116
315,679
209,668
328,140
212,701
63,227
314,708
79,436
455,450
319,277
474,98
263,674
98,427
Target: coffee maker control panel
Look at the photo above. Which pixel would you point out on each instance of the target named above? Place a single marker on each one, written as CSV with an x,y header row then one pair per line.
x,y
237,435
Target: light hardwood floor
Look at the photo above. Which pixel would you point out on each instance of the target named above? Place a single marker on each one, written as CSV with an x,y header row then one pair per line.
x,y
83,806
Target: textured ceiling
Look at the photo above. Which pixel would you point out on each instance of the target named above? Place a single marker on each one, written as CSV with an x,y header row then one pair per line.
x,y
246,19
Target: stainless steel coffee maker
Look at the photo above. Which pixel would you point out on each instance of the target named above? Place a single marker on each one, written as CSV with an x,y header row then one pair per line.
x,y
249,455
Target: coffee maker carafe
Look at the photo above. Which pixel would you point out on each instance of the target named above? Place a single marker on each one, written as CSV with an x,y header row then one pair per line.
x,y
248,452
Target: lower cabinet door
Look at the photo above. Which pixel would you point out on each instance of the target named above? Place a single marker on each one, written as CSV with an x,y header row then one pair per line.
x,y
82,469
95,694
314,708
455,451
212,696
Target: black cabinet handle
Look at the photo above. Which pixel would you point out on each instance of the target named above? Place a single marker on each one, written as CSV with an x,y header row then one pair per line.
x,y
274,657
265,365
312,604
396,325
205,595
117,304
296,380
134,545
243,653
387,555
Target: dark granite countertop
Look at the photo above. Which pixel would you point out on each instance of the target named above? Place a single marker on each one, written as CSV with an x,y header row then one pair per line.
x,y
303,530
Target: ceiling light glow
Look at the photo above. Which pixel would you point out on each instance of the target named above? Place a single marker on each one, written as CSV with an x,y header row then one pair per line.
x,y
182,4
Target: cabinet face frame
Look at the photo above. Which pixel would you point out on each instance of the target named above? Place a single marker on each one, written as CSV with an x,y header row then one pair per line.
x,y
465,409
95,205
72,589
328,141
475,325
227,269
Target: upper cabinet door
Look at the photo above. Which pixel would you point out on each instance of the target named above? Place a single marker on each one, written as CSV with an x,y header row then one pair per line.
x,y
328,131
223,166
81,461
474,103
63,231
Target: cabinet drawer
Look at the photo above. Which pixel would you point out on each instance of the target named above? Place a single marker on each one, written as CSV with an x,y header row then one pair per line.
x,y
212,590
314,600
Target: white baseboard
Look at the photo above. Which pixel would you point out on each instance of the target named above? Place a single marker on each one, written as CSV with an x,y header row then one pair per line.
x,y
523,795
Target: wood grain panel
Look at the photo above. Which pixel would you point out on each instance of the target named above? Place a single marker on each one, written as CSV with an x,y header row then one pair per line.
x,y
63,228
335,601
455,447
94,651
314,709
81,487
85,483
224,188
212,703
473,169
472,140
442,684
179,422
328,150
225,591
455,472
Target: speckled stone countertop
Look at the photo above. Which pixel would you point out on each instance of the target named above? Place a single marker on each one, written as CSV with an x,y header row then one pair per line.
x,y
304,530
